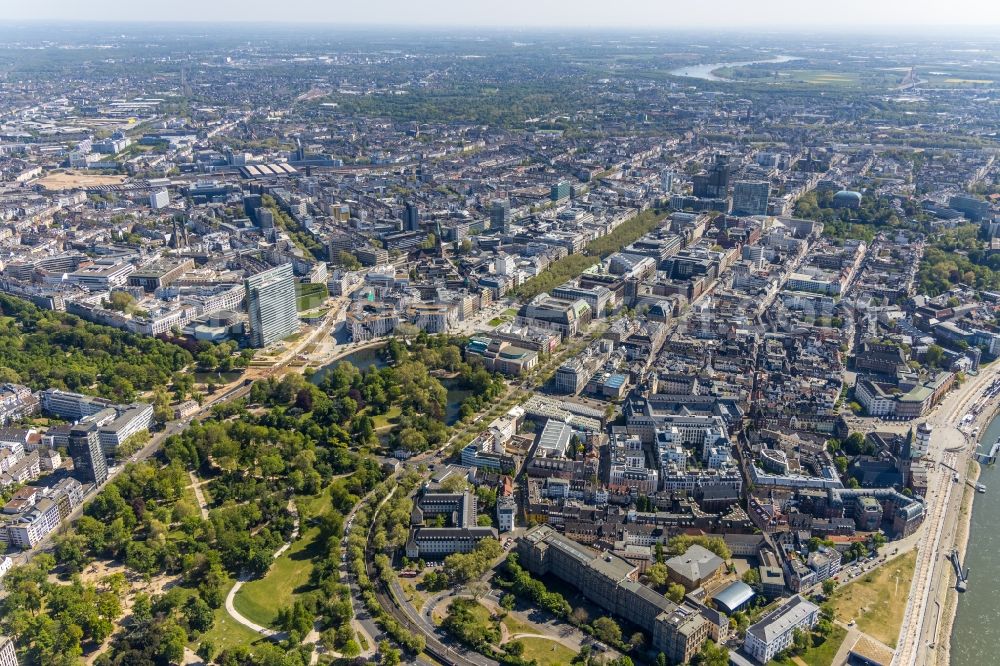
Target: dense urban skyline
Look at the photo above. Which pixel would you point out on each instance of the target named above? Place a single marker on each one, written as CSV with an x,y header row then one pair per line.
x,y
704,324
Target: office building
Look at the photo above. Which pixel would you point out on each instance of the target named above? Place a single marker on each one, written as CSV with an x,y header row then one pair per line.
x,y
72,406
159,199
131,421
973,208
271,304
750,197
461,532
559,191
160,274
713,184
611,582
500,215
775,631
411,218
89,462
7,655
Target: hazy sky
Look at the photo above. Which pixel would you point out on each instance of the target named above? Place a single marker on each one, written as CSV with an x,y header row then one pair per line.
x,y
528,13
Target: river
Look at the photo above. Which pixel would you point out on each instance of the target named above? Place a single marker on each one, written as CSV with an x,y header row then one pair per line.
x,y
976,633
705,71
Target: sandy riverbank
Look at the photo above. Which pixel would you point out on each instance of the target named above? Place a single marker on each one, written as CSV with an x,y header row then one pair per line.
x,y
942,655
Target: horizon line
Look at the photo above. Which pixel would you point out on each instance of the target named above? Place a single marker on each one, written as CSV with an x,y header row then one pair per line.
x,y
763,28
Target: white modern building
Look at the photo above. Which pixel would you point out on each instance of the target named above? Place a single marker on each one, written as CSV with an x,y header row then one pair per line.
x,y
774,632
8,657
159,199
921,441
131,421
506,510
272,305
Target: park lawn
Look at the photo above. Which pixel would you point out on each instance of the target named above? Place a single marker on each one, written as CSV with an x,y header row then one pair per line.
x,y
313,506
413,595
817,655
516,626
388,419
261,599
546,652
227,632
481,612
877,601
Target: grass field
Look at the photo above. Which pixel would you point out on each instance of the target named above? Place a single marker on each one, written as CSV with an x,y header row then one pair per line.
x,y
546,652
817,655
516,626
820,77
878,600
388,419
227,632
261,599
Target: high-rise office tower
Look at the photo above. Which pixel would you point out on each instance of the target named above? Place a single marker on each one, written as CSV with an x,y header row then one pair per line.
x,y
750,197
500,214
271,304
411,218
714,184
85,449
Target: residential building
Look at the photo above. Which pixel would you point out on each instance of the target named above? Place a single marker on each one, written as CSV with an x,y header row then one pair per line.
x,y
506,511
159,199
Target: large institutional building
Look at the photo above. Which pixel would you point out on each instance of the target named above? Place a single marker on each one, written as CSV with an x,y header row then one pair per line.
x,y
611,583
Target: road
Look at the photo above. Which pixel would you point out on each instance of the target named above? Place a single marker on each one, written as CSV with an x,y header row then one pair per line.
x,y
950,450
